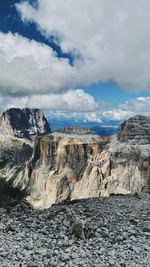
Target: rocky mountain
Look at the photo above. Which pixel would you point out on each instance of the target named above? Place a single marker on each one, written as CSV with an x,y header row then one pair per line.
x,y
59,162
136,130
74,166
80,166
63,169
75,130
23,123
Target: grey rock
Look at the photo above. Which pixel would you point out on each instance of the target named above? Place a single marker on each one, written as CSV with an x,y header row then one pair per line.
x,y
23,123
135,130
75,130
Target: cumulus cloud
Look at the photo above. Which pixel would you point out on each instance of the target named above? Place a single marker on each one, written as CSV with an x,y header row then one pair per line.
x,y
73,100
109,40
111,37
7,102
140,105
76,104
28,67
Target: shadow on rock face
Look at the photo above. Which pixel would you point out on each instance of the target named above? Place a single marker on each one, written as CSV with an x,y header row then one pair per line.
x,y
9,196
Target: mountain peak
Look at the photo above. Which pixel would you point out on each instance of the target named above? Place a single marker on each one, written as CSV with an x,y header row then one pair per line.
x,y
23,123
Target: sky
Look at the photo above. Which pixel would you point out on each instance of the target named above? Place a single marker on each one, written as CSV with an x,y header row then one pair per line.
x,y
86,59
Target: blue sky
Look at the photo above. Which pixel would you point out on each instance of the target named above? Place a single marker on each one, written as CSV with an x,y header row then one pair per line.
x,y
111,92
71,69
10,21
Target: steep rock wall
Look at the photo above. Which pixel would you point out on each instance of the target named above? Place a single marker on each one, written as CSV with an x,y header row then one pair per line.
x,y
82,166
74,166
59,163
135,130
23,123
121,169
14,154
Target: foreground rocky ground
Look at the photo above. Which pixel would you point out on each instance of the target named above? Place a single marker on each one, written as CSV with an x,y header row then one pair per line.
x,y
120,234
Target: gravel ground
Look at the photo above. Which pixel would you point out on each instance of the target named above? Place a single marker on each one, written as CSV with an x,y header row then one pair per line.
x,y
120,226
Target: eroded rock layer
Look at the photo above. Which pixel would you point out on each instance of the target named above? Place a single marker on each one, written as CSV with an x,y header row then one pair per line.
x,y
82,166
14,153
75,166
135,130
120,169
75,130
59,162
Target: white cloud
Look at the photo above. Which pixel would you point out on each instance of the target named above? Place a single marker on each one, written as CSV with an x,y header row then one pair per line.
x,y
117,114
76,116
140,105
7,102
28,67
73,100
112,37
137,106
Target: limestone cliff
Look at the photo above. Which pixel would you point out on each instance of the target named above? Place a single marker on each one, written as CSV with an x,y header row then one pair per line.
x,y
120,169
124,167
23,123
135,130
14,153
79,166
59,162
73,166
75,130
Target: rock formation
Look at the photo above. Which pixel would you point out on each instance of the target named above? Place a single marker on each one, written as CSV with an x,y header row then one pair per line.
x,y
23,123
136,130
75,130
14,153
81,166
120,169
75,166
59,162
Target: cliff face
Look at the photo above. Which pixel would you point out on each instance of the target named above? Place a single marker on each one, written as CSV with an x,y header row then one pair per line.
x,y
136,130
75,130
23,123
121,169
74,166
59,163
81,166
14,153
124,167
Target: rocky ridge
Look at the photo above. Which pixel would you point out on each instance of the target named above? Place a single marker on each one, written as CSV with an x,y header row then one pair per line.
x,y
83,166
135,130
120,227
75,130
23,123
74,166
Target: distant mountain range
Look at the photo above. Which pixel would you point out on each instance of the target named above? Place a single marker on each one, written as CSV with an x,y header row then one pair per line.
x,y
106,128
